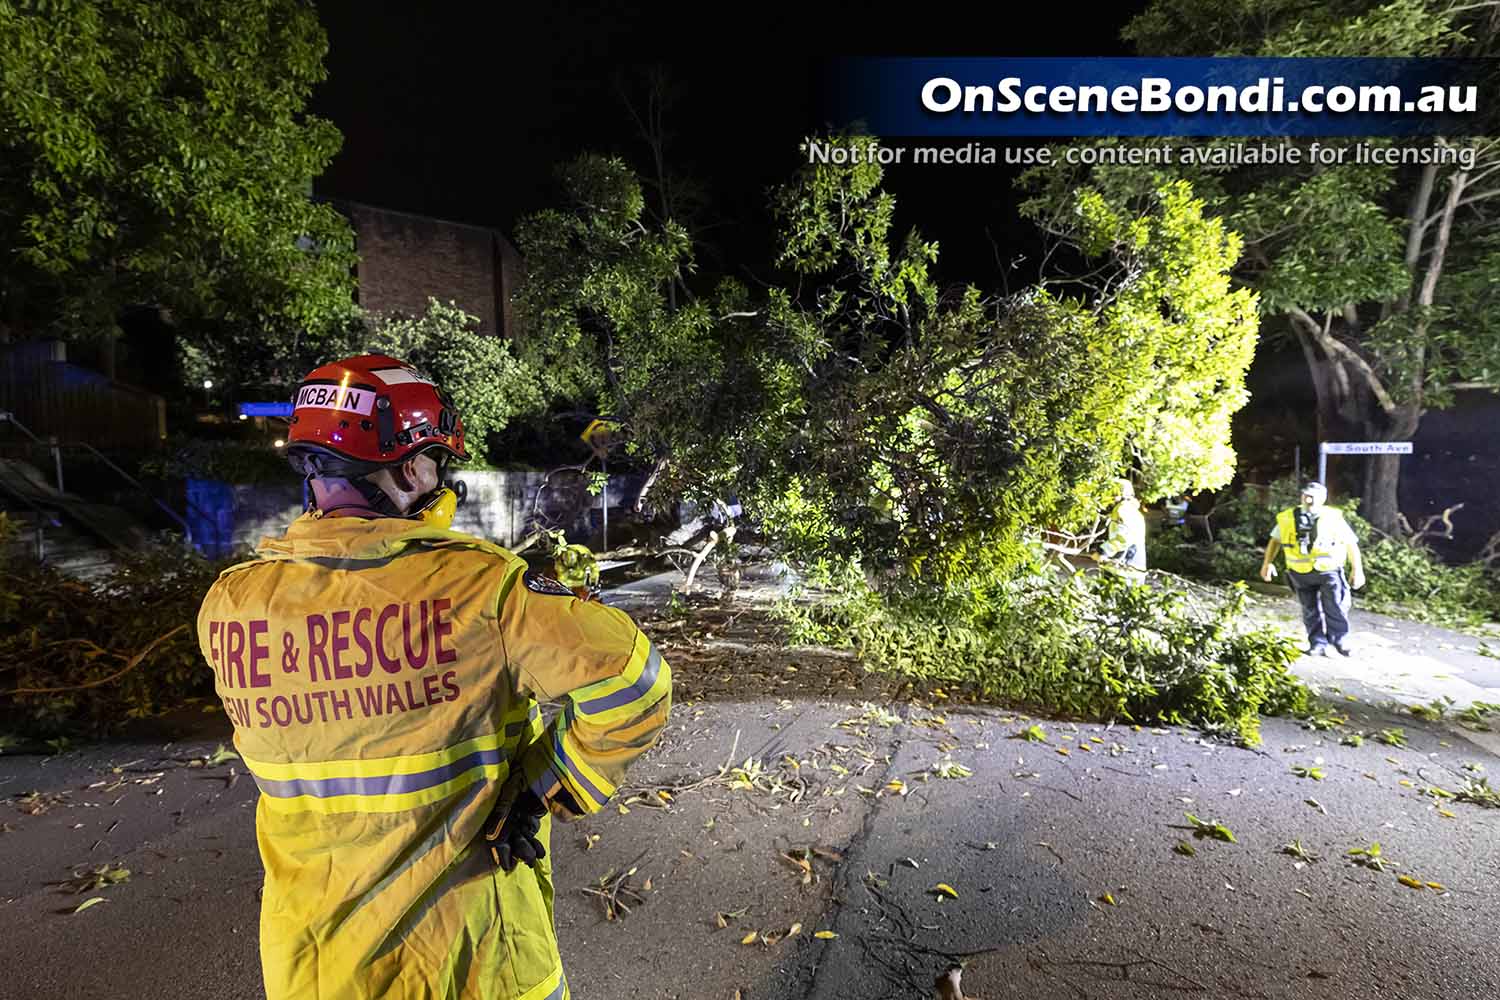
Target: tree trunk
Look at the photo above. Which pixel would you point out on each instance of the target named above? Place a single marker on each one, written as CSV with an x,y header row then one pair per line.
x,y
1349,409
1380,506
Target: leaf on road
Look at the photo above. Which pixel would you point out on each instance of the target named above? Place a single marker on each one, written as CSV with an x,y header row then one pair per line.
x,y
1392,737
1410,882
794,930
1217,831
89,902
826,935
1370,857
946,768
221,756
944,889
1034,734
803,865
1296,850
1107,898
1316,805
1315,773
749,938
1477,791
1185,849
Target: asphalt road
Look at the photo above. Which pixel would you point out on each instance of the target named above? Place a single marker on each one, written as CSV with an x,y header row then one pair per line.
x,y
837,773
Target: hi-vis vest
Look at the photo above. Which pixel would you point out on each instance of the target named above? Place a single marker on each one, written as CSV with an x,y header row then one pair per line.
x,y
1127,528
382,679
1330,543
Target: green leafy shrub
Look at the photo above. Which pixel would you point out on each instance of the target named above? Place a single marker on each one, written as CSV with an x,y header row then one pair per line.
x,y
1093,646
59,632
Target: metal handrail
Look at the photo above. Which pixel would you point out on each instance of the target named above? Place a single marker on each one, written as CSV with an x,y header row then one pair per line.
x,y
41,516
186,528
55,446
7,416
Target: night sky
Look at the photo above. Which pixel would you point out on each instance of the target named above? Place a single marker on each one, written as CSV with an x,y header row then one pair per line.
x,y
464,115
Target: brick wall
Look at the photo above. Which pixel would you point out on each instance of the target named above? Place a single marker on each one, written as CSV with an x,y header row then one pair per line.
x,y
405,259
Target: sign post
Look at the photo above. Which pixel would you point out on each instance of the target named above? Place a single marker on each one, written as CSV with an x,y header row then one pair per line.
x,y
1357,448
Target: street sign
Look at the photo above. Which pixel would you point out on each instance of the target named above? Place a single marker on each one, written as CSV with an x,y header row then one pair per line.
x,y
1366,447
1357,448
266,409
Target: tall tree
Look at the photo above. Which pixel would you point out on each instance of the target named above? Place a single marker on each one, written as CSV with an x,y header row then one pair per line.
x,y
1376,271
934,429
158,154
863,411
620,325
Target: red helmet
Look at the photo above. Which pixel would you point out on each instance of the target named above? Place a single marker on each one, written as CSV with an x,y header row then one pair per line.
x,y
353,416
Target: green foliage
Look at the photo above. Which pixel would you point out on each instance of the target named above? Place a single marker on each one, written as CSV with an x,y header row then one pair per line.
x,y
1383,278
615,328
1090,646
929,432
1292,28
869,417
1177,335
58,632
485,380
158,154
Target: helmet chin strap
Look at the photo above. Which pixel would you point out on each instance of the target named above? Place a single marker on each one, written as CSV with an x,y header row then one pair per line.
x,y
378,499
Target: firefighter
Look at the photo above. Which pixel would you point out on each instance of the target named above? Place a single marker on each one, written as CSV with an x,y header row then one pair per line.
x,y
1125,545
1318,543
383,674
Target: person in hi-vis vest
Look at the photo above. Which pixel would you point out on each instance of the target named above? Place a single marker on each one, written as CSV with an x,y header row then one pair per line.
x,y
1125,543
383,674
1318,543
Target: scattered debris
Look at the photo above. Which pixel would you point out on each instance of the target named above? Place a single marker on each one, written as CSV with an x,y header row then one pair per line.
x,y
1369,857
1296,850
1216,831
612,886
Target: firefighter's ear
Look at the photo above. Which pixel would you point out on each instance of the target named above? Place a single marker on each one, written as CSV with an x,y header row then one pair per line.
x,y
405,475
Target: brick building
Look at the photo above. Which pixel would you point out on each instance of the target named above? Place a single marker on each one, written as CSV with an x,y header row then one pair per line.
x,y
404,259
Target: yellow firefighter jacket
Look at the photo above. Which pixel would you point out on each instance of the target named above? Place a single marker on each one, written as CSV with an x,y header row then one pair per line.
x,y
382,678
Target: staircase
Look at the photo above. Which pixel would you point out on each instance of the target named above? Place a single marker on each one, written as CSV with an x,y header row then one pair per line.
x,y
62,546
59,529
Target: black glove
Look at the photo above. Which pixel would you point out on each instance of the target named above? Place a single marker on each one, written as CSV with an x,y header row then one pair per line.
x,y
514,837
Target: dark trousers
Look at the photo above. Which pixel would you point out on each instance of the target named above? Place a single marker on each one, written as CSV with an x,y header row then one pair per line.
x,y
1325,603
